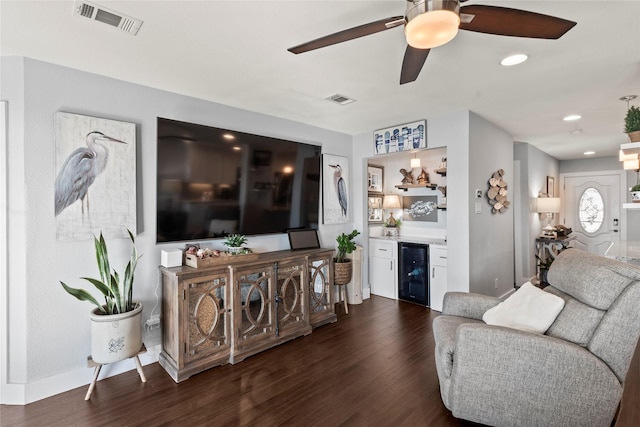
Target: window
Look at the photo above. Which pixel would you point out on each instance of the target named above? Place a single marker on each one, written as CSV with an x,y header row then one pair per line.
x,y
591,210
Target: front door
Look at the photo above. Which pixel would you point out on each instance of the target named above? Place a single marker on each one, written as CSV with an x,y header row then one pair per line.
x,y
591,208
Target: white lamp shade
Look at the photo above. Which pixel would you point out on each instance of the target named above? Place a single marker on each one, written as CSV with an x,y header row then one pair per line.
x,y
631,165
623,157
391,201
415,163
548,204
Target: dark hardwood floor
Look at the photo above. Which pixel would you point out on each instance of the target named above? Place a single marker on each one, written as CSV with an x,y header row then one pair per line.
x,y
374,367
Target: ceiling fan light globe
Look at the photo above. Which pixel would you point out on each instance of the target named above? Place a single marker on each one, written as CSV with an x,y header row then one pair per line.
x,y
432,29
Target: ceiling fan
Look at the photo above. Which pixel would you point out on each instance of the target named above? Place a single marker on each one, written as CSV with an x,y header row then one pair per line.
x,y
432,23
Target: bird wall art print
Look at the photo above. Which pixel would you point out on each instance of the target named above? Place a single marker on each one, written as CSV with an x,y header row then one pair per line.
x,y
95,182
335,189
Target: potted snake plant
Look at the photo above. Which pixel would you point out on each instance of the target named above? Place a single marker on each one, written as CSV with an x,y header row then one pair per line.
x,y
342,266
115,324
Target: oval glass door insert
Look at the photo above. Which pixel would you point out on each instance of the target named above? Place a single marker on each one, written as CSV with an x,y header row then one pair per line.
x,y
591,210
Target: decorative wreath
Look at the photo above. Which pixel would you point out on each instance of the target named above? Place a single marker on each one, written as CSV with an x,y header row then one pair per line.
x,y
497,193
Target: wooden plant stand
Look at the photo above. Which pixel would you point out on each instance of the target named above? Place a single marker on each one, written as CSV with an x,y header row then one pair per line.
x,y
98,366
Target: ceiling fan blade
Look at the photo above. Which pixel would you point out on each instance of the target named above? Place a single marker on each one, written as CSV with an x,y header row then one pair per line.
x,y
412,64
505,21
350,34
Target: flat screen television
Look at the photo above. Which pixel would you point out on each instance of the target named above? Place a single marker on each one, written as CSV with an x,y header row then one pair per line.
x,y
215,182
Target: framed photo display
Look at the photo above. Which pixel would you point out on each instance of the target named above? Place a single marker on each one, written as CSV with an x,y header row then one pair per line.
x,y
406,137
375,177
550,185
375,208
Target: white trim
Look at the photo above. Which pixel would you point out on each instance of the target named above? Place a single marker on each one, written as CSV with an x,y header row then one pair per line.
x,y
9,393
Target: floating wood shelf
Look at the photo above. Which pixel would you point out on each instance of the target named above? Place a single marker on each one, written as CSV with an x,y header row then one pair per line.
x,y
441,171
405,187
443,207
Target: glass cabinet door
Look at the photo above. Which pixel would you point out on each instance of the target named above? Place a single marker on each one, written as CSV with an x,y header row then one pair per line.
x,y
207,302
254,308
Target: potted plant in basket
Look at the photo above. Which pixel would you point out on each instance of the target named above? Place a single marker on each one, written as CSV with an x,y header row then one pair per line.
x,y
632,124
116,324
342,266
234,243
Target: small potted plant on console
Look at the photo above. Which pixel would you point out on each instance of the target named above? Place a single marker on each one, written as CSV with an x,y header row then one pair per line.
x,y
342,267
234,243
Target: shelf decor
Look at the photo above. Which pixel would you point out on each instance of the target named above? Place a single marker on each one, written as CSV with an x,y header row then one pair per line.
x,y
420,208
375,179
406,137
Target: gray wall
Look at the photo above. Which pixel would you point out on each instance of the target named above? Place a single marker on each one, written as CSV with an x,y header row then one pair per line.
x,y
48,331
535,166
491,255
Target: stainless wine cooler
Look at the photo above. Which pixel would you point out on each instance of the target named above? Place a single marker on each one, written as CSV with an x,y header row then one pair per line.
x,y
413,273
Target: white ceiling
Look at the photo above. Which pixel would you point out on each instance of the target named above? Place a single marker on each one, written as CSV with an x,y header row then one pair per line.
x,y
235,53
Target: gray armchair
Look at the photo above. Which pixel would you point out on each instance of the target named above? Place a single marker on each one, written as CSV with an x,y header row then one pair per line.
x,y
571,375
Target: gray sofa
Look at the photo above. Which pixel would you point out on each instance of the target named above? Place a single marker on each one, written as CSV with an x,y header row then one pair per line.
x,y
571,376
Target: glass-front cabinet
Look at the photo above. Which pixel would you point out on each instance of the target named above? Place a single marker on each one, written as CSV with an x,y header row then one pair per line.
x,y
226,313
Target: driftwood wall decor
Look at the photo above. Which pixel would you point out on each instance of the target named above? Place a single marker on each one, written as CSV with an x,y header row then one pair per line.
x,y
497,193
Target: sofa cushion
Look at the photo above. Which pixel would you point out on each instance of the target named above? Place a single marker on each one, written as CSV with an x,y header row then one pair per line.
x,y
576,322
444,334
594,280
529,309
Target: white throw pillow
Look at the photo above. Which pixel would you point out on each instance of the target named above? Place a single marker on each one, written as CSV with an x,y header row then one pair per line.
x,y
528,309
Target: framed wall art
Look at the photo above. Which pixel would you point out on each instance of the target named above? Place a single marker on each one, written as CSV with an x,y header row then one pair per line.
x,y
420,208
374,206
550,184
406,137
95,184
335,189
375,179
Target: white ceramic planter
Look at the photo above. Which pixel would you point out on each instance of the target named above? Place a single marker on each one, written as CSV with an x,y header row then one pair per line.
x,y
115,337
635,196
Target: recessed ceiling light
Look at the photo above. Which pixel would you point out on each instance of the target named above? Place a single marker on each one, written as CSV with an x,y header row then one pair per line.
x,y
236,148
572,117
514,60
589,153
228,136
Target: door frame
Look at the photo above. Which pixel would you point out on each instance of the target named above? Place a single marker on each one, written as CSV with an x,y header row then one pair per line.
x,y
622,183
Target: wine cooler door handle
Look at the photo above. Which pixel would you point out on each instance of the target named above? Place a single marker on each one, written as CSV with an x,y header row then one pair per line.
x,y
433,272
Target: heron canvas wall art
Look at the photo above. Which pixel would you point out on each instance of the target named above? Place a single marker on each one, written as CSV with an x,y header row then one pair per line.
x,y
335,189
95,182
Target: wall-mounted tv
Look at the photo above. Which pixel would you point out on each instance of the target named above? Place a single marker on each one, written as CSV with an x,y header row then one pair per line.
x,y
214,182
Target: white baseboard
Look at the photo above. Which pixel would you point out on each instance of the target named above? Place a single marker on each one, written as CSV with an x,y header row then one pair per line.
x,y
22,394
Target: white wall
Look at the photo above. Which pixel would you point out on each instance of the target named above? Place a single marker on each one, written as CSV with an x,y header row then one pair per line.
x,y
47,330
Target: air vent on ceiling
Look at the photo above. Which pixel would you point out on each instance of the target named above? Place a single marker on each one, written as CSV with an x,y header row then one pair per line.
x,y
340,99
102,14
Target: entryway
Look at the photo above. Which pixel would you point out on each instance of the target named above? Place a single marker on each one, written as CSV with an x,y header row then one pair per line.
x,y
591,207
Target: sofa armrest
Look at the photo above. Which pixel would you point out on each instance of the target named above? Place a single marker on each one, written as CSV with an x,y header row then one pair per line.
x,y
503,376
469,305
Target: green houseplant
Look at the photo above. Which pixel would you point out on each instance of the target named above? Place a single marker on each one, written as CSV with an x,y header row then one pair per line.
x,y
635,193
342,265
116,324
234,242
632,124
